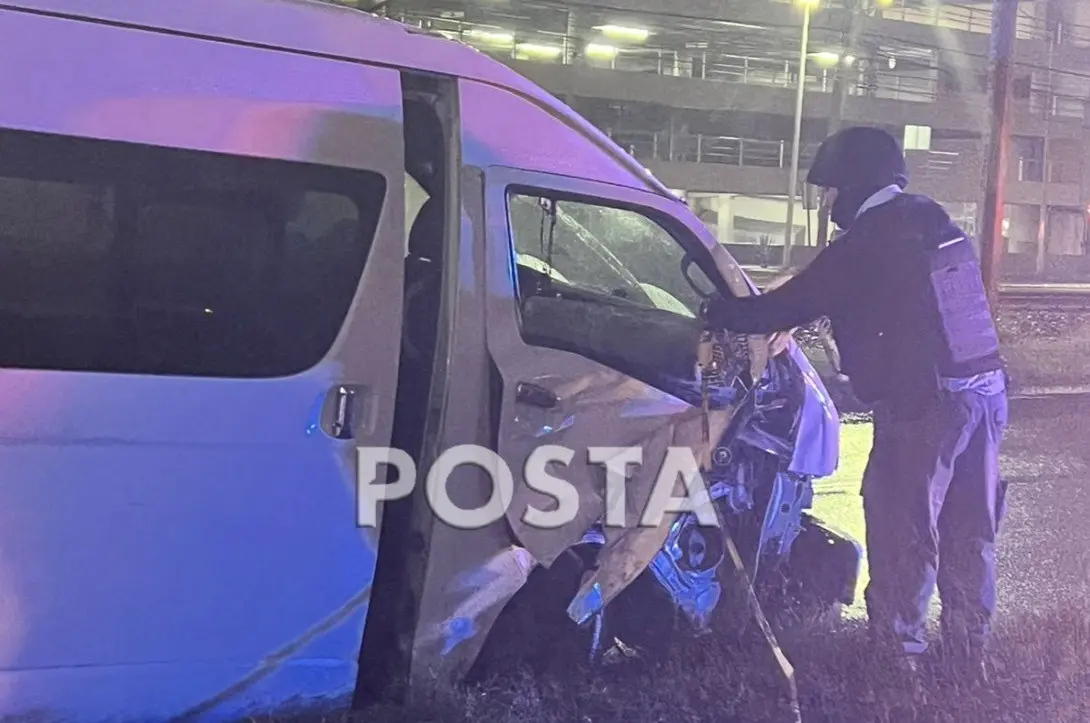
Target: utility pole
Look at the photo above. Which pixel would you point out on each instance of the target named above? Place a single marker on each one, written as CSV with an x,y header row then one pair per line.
x,y
1004,17
804,45
840,87
1042,222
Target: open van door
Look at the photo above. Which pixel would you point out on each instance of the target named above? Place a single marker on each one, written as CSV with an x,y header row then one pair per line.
x,y
594,293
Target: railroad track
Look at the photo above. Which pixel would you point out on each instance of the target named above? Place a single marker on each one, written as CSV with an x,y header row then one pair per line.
x,y
1011,295
1045,296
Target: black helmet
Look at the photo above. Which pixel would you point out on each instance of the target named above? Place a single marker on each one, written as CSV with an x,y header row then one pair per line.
x,y
858,157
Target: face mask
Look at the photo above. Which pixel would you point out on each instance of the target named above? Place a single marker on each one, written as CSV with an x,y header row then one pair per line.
x,y
847,204
843,213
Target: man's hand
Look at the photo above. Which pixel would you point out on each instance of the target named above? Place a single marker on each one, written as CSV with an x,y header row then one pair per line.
x,y
715,312
718,312
778,343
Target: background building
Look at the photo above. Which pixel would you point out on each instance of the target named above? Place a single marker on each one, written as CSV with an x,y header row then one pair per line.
x,y
704,94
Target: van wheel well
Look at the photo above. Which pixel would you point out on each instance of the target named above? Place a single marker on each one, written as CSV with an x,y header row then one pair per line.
x,y
534,632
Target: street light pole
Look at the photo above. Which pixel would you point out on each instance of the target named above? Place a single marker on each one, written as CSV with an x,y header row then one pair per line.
x,y
846,63
789,229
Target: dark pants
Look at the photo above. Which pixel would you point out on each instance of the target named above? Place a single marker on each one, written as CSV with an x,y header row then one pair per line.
x,y
932,492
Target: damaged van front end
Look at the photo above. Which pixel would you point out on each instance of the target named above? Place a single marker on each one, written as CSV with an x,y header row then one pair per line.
x,y
585,370
781,439
771,441
780,442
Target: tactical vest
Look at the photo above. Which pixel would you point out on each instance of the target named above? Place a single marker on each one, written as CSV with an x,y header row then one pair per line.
x,y
927,315
965,340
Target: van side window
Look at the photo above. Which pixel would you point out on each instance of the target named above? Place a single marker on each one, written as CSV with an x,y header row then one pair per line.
x,y
124,258
600,251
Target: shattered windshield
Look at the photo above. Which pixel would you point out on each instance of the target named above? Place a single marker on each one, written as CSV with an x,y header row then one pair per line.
x,y
601,249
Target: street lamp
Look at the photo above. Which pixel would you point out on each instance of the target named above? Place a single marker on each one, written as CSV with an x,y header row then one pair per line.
x,y
789,230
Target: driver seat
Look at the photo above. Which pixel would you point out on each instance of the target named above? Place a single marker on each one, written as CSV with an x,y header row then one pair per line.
x,y
423,294
423,281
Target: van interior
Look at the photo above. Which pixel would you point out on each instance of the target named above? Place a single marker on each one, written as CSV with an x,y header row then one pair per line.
x,y
385,656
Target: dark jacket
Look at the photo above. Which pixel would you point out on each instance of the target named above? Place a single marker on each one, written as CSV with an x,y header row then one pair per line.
x,y
870,283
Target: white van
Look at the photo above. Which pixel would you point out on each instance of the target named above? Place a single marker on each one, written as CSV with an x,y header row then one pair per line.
x,y
208,306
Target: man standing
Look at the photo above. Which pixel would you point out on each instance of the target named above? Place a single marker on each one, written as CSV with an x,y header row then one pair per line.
x,y
902,287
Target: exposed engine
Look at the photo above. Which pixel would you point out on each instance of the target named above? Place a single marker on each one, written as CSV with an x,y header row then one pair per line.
x,y
760,501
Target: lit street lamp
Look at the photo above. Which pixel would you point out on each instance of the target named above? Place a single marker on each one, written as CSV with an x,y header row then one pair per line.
x,y
789,230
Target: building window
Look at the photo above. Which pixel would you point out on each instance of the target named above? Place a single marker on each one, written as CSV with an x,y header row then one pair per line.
x,y
138,259
917,138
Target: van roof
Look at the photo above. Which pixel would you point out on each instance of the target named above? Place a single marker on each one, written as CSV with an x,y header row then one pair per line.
x,y
325,29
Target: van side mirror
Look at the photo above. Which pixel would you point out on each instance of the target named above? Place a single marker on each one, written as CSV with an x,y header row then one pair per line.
x,y
696,278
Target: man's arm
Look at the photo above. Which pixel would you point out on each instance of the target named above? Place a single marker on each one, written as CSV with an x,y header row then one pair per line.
x,y
820,287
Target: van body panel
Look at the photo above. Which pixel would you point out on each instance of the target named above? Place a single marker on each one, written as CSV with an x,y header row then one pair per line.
x,y
320,28
816,451
505,129
196,94
176,543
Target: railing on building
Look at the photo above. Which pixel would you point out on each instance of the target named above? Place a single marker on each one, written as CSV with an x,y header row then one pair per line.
x,y
1029,169
752,152
709,63
967,18
1070,34
1032,170
728,68
1048,104
898,87
697,61
978,19
934,162
729,150
706,148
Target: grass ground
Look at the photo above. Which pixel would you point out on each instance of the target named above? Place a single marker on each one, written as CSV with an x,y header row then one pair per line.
x,y
1040,664
1040,674
1040,660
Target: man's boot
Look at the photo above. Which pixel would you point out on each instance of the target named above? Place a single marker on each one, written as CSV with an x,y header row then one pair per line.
x,y
964,662
972,669
905,670
909,665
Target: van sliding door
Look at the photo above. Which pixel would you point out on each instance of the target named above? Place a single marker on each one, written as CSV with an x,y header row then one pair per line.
x,y
201,249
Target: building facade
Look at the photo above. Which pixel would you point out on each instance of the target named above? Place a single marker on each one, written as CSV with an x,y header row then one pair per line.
x,y
704,95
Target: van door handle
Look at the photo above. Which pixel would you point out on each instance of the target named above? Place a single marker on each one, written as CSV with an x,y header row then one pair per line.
x,y
341,413
536,395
